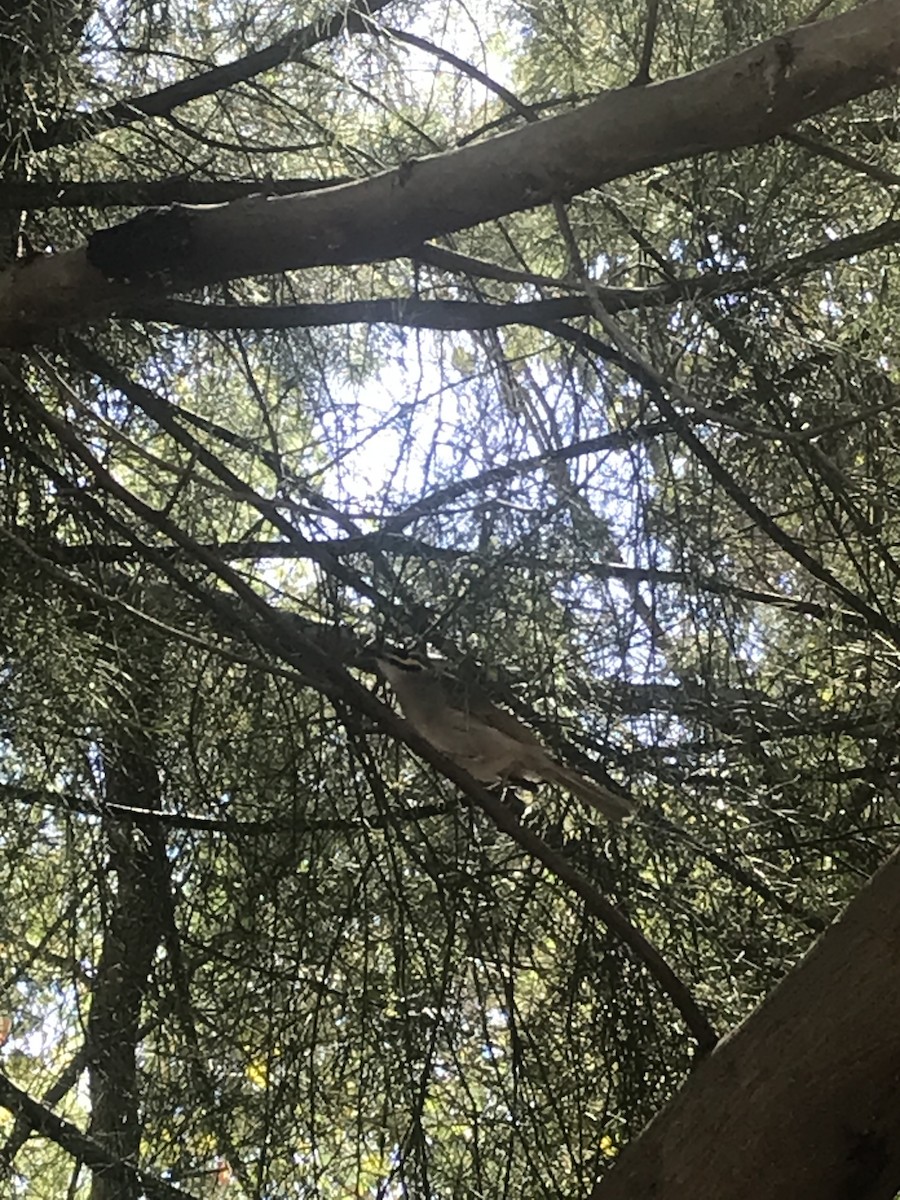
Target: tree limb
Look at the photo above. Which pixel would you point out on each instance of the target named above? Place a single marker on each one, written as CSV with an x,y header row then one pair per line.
x,y
802,1101
741,101
82,1148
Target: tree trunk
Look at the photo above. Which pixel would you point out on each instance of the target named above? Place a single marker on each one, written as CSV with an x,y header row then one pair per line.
x,y
802,1101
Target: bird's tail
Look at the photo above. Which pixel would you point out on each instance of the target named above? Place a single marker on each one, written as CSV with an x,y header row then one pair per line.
x,y
612,805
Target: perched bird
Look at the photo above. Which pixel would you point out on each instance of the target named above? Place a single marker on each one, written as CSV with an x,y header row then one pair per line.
x,y
490,743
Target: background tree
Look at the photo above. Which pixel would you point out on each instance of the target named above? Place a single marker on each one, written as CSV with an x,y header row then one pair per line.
x,y
626,460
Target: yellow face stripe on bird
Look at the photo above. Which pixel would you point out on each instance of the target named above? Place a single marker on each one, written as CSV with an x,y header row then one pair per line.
x,y
413,664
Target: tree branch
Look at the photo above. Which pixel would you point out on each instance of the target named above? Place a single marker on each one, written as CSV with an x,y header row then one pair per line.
x,y
741,101
82,1148
802,1101
321,671
79,126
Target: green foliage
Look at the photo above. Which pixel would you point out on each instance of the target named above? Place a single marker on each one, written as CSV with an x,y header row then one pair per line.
x,y
357,984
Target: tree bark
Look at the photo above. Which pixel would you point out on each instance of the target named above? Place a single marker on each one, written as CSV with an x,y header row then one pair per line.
x,y
802,1101
133,932
139,908
741,101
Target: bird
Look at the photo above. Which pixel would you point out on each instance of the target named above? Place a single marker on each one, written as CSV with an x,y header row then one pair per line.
x,y
489,742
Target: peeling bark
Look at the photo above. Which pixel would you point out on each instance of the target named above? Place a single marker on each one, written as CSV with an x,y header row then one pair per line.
x,y
742,101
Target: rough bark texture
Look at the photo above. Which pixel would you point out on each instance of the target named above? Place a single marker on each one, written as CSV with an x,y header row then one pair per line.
x,y
140,907
133,933
741,101
802,1102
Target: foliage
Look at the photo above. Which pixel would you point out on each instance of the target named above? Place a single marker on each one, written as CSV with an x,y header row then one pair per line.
x,y
354,983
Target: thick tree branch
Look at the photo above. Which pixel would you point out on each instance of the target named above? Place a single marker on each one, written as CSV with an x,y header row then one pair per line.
x,y
802,1102
741,101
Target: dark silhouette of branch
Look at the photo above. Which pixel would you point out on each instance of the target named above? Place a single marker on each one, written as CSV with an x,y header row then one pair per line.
x,y
81,1147
41,194
412,312
78,127
643,72
327,676
230,826
682,423
162,413
381,542
889,178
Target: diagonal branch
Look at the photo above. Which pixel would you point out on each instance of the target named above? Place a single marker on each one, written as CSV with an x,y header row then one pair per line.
x,y
80,126
82,1148
741,101
320,670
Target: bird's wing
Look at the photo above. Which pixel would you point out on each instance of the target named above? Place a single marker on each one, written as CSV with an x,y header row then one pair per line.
x,y
474,702
505,722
